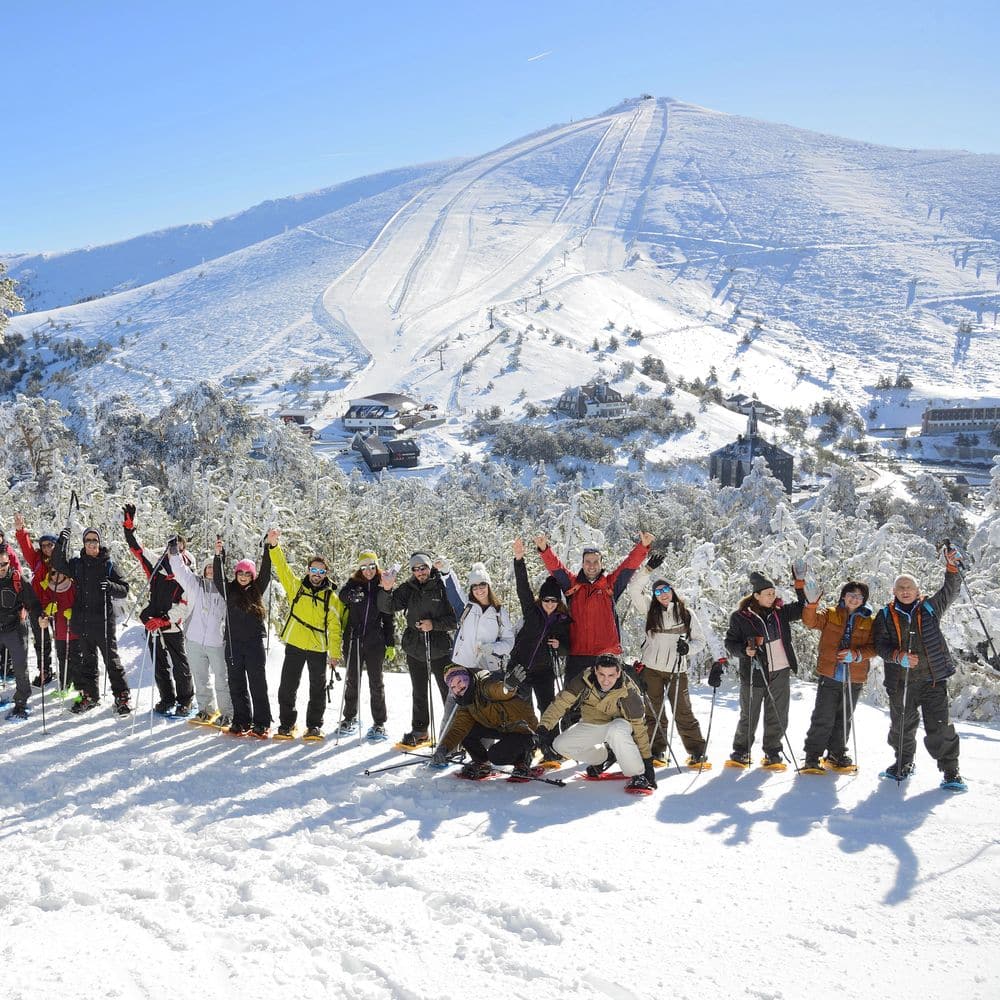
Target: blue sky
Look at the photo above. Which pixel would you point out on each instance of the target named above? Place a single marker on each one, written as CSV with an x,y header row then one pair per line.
x,y
133,117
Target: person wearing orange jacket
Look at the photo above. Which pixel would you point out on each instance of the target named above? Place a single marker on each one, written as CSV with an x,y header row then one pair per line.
x,y
845,653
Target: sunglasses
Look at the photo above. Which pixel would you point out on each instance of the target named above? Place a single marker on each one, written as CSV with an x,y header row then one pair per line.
x,y
369,566
549,600
421,569
317,571
662,590
478,586
91,541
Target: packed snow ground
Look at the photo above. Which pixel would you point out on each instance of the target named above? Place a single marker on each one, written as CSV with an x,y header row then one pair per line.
x,y
175,861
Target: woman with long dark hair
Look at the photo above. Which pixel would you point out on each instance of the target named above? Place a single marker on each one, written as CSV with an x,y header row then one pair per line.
x,y
244,641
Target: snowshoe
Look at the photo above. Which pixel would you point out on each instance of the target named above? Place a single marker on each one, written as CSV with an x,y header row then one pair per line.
x,y
347,728
223,722
203,719
697,761
954,782
237,729
4,700
180,711
285,733
522,774
376,734
639,785
18,713
414,741
163,707
739,758
475,771
773,762
659,761
812,765
84,704
550,760
260,733
841,764
594,771
123,704
314,735
896,772
603,776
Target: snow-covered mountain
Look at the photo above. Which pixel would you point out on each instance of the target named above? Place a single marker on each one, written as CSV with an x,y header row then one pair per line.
x,y
798,265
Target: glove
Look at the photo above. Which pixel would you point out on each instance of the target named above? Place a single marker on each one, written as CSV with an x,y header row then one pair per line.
x,y
515,675
103,586
953,559
63,537
128,520
155,624
799,568
439,758
683,647
543,739
442,565
638,667
648,771
390,654
848,656
715,674
655,560
812,590
906,660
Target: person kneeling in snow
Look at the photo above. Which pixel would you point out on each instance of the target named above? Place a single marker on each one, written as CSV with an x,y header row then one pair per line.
x,y
611,727
488,708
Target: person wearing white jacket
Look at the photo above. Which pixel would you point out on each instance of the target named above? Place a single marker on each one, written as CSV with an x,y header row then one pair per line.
x,y
203,632
672,633
485,635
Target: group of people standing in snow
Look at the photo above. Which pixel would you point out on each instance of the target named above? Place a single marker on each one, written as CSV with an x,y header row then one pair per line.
x,y
206,635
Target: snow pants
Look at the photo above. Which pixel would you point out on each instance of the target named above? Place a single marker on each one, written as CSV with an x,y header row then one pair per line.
x,y
245,662
89,671
288,688
208,675
830,725
923,697
43,646
667,694
586,741
543,685
420,720
170,655
370,659
15,642
775,712
510,748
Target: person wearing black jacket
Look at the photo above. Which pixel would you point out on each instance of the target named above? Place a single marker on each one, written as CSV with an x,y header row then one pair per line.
x,y
427,640
246,657
544,635
162,618
760,635
98,583
369,639
16,599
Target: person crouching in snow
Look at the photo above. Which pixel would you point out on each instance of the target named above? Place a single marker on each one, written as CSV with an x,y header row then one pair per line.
x,y
488,708
612,724
845,652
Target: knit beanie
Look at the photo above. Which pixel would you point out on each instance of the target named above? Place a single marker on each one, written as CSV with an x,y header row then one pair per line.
x,y
246,566
94,531
550,588
759,582
456,671
367,557
48,538
420,559
478,574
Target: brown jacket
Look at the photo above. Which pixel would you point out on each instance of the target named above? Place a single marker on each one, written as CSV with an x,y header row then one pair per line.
x,y
598,708
494,706
831,622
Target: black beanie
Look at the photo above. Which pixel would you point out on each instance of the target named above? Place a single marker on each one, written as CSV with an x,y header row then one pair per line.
x,y
759,582
550,588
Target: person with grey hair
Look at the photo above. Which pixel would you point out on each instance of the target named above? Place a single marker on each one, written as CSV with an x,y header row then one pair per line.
x,y
426,641
918,663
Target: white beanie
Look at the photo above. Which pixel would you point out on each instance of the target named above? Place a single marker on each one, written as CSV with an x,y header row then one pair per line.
x,y
478,574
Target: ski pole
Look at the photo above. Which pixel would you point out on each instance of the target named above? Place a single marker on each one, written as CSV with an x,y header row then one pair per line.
x,y
558,782
357,656
774,708
152,687
902,717
556,668
142,674
430,688
994,659
673,709
658,726
42,679
851,726
708,733
343,694
392,767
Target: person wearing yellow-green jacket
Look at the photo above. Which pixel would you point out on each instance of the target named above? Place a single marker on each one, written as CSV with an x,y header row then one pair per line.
x,y
311,635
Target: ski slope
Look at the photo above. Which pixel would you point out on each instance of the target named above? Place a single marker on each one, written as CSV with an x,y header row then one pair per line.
x,y
172,860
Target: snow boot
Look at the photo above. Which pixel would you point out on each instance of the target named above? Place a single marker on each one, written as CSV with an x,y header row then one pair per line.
x,y
413,741
812,765
285,733
376,734
773,762
596,770
739,758
84,704
898,772
476,770
639,785
223,722
123,703
18,713
163,707
348,727
953,781
314,735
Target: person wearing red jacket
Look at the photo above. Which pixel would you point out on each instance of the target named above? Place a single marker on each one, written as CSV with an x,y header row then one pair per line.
x,y
39,561
591,596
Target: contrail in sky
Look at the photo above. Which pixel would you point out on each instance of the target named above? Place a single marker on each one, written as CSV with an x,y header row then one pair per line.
x,y
541,55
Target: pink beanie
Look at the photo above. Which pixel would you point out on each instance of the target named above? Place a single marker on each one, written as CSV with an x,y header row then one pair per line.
x,y
246,566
